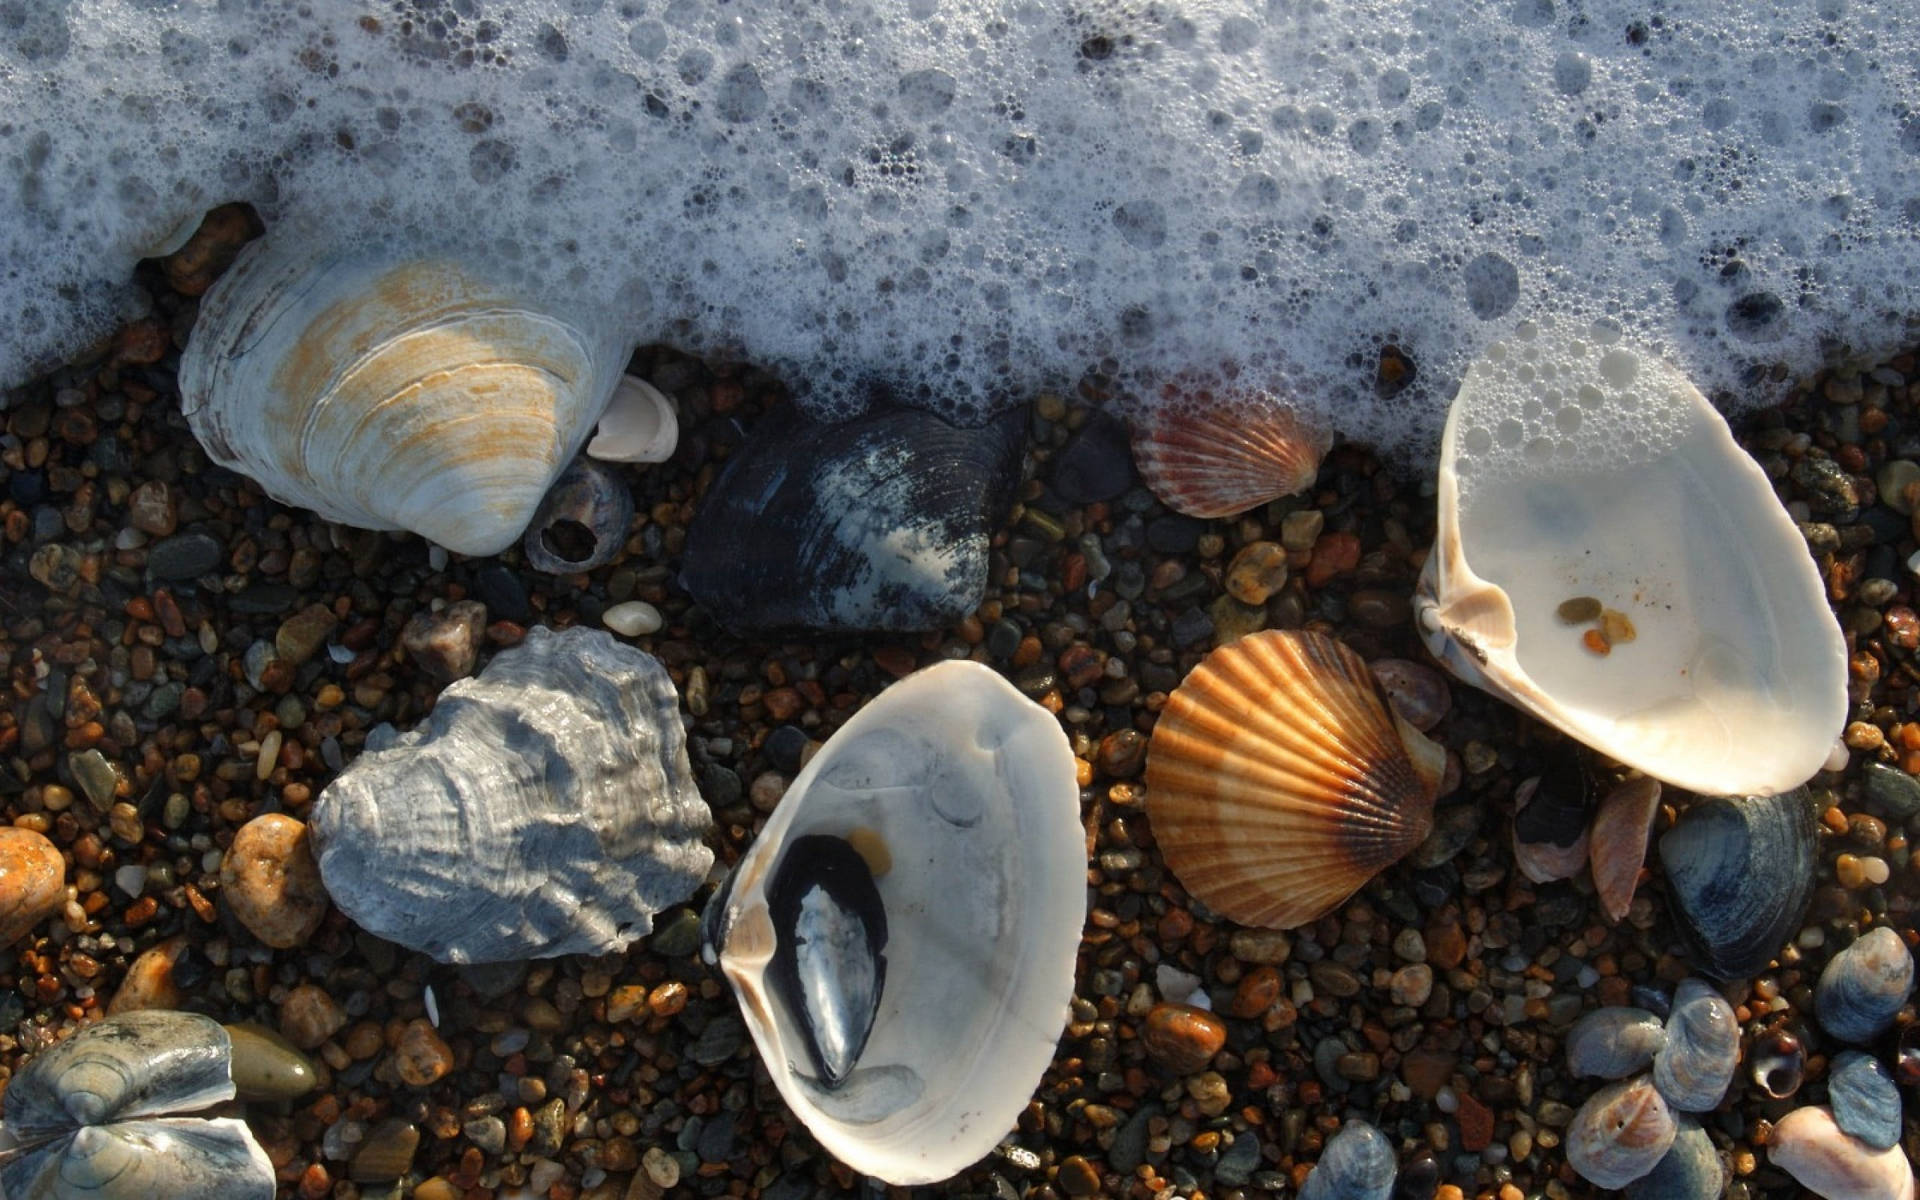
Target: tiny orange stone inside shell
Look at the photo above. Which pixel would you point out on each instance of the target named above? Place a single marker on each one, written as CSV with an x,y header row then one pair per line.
x,y
1597,642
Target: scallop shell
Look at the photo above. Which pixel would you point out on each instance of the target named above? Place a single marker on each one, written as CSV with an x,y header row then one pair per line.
x,y
1864,986
902,934
1620,1134
1808,1145
89,1116
388,391
1278,782
878,523
1574,470
1214,453
544,808
1702,1049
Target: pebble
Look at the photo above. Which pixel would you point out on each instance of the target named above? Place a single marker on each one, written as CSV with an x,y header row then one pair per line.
x,y
676,934
308,1016
662,1168
1266,947
632,618
1096,464
1411,985
153,979
1257,572
96,777
267,1066
385,1153
271,882
446,644
422,1058
301,635
1300,530
33,882
1182,1038
1895,791
184,556
153,508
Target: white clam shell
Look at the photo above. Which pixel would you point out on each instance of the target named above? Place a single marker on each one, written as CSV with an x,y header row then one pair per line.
x,y
1808,1145
638,426
1573,468
388,392
958,794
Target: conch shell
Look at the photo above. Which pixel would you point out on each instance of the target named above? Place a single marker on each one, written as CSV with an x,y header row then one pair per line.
x,y
1611,562
394,392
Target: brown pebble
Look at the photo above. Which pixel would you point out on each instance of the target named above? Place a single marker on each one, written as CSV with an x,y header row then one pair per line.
x,y
271,882
149,980
1256,993
153,508
308,1016
1182,1038
1446,944
1425,1072
446,644
626,1002
1257,572
33,882
668,999
1078,1177
422,1058
301,635
385,1153
1476,1123
1579,610
1121,754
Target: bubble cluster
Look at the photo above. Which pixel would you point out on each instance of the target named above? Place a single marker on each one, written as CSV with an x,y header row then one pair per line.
x,y
958,203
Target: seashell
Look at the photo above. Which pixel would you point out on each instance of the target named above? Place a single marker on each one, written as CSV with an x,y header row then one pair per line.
x,y
1691,1169
902,934
1810,1146
1277,781
582,523
89,1116
392,391
1417,692
1357,1163
1906,1056
878,523
1621,1133
1694,1068
1864,1100
1778,1064
1552,818
1618,844
1740,873
1614,1043
1213,452
546,807
1710,659
638,425
1862,988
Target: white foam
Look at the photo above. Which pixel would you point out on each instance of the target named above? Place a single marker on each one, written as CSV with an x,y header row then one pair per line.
x,y
968,201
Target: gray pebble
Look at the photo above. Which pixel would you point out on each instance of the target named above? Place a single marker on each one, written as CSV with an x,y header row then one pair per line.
x,y
184,556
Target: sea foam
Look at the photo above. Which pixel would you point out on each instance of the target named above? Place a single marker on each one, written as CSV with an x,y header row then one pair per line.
x,y
959,203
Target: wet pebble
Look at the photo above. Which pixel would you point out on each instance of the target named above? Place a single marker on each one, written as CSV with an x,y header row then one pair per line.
x,y
184,556
153,979
301,635
1096,464
1257,572
446,644
1864,1100
271,883
308,1016
1182,1038
96,776
33,882
422,1058
632,618
153,508
1895,791
267,1066
385,1153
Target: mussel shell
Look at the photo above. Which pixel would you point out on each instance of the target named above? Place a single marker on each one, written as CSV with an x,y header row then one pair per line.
x,y
152,1159
1552,817
830,958
1740,873
1694,1068
1691,1169
581,523
1864,1100
1614,1043
138,1064
1357,1163
1620,1134
877,523
1810,1146
1863,987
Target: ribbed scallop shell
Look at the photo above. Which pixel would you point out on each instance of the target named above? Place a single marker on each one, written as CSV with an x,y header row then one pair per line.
x,y
1214,455
389,392
1277,781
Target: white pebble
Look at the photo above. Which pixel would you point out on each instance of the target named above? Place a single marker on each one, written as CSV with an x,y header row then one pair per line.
x,y
1913,562
131,879
632,618
1839,756
1175,985
437,557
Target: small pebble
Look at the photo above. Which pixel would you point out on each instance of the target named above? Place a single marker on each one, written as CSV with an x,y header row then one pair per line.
x,y
271,883
1182,1038
267,1066
422,1058
632,618
446,644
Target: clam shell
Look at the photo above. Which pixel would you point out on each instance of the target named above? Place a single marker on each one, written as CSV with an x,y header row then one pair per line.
x,y
1564,462
1691,1169
544,808
1702,1050
1553,818
878,523
90,1115
1740,874
393,392
1277,781
1864,1100
638,425
1620,1134
1213,453
1863,987
1357,1163
1614,1043
1618,844
1808,1145
902,934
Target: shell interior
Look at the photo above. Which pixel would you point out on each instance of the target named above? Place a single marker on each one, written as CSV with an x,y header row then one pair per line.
x,y
1579,476
393,392
902,934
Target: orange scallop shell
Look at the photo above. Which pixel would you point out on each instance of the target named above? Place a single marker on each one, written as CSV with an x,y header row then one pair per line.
x,y
1207,454
1278,782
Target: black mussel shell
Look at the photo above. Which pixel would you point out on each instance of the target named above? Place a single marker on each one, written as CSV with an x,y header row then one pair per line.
x,y
1561,806
829,966
1740,874
880,523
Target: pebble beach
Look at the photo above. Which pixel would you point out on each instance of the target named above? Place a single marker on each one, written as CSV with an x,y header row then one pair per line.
x,y
186,655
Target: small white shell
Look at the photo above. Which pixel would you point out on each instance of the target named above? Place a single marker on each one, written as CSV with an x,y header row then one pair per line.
x,y
392,393
1808,1145
1575,470
638,426
902,934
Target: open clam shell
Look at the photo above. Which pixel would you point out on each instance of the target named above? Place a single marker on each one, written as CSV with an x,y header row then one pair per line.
x,y
1278,782
1210,452
388,391
1610,561
902,934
